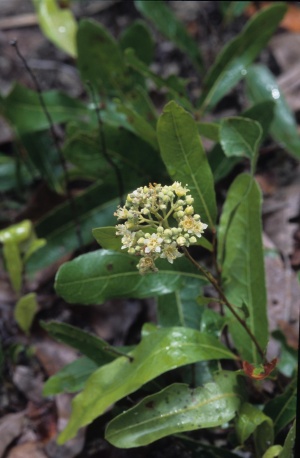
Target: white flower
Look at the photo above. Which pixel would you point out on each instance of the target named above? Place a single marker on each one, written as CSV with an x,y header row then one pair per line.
x,y
179,190
170,252
190,225
153,244
128,240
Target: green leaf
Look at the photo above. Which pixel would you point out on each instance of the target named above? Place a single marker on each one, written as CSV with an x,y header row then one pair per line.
x,y
100,60
289,443
288,360
209,130
13,174
107,238
176,409
25,311
241,137
231,63
240,253
58,24
88,344
248,420
138,37
13,262
273,452
181,308
70,378
22,108
95,277
166,22
262,86
159,352
263,113
282,409
185,158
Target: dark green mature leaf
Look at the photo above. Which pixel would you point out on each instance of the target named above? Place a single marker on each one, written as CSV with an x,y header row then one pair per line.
x,y
95,277
248,419
88,344
289,443
262,86
59,228
209,130
181,308
240,136
138,37
70,378
159,351
185,158
164,20
240,253
22,108
288,360
176,409
100,59
282,409
232,62
107,238
263,113
13,174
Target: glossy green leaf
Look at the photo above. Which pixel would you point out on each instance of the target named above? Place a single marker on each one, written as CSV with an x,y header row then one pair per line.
x,y
262,85
138,37
166,22
185,158
13,174
107,238
232,62
282,409
25,310
95,277
240,253
100,60
248,420
273,451
88,344
176,409
59,25
289,443
240,136
158,352
22,108
70,378
181,308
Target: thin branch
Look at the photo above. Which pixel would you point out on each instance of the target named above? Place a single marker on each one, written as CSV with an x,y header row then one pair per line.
x,y
215,284
63,164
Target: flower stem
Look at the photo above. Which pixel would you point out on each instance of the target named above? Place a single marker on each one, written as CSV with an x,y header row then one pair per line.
x,y
222,296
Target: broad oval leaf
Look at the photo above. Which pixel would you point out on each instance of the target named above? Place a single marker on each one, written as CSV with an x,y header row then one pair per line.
x,y
176,409
232,62
95,277
248,419
138,37
240,137
185,158
262,86
240,253
159,351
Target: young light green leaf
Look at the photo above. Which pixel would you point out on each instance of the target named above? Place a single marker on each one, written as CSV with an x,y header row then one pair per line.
x,y
22,108
282,409
181,308
25,311
176,409
185,158
70,378
59,25
166,22
13,262
240,253
232,62
262,85
95,277
240,136
248,419
88,344
158,352
100,59
273,452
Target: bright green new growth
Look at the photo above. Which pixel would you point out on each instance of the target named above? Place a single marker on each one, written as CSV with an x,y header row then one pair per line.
x,y
156,209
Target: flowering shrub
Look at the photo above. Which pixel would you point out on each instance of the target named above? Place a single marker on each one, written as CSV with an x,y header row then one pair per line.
x,y
166,210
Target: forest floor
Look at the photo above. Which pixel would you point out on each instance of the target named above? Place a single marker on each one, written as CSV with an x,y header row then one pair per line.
x,y
30,422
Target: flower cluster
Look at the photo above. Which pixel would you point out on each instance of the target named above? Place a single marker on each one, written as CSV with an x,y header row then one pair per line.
x,y
158,220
